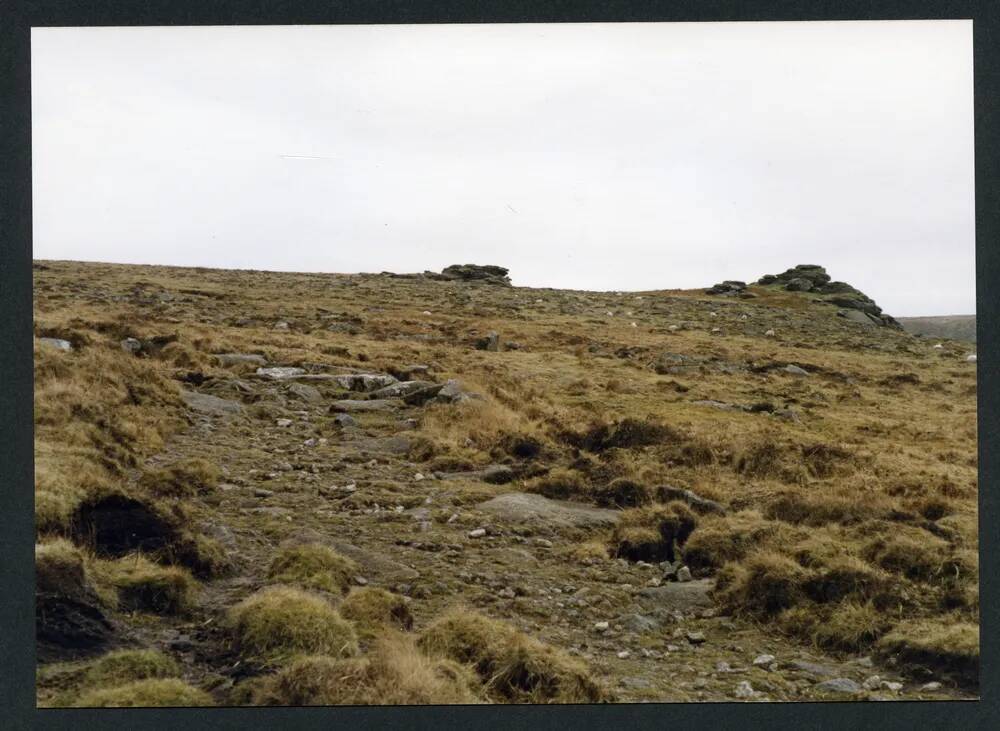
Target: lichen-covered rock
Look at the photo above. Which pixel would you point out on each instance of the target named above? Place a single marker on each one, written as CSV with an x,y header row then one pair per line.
x,y
488,273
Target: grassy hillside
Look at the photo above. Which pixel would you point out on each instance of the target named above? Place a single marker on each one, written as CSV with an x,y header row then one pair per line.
x,y
470,492
952,327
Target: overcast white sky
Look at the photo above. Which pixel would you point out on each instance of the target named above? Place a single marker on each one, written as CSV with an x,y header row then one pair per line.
x,y
591,156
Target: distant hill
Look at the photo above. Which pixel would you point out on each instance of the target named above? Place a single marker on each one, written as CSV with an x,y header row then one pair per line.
x,y
953,327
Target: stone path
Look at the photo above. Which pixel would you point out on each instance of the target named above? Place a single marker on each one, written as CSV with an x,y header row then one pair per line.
x,y
294,474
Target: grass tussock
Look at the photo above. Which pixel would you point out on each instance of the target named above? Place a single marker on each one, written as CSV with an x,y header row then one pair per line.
x,y
627,433
915,556
144,586
815,507
186,479
850,627
313,566
763,585
158,692
514,668
826,460
480,426
373,610
721,539
394,672
126,666
653,533
951,648
622,493
59,567
97,413
560,484
280,622
766,459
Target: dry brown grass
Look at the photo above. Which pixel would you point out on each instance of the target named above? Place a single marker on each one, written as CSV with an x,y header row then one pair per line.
x,y
879,467
373,610
142,585
152,693
394,672
278,623
191,477
313,566
653,533
514,667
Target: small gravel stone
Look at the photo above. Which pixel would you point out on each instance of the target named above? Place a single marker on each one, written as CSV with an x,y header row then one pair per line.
x,y
477,533
684,574
763,660
744,690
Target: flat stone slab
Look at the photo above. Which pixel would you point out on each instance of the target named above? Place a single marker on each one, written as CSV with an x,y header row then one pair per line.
x,y
523,507
364,381
207,404
681,596
57,343
371,405
812,668
279,373
403,388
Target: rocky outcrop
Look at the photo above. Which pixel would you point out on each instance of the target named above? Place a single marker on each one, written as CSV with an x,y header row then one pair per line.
x,y
855,305
488,273
801,278
728,288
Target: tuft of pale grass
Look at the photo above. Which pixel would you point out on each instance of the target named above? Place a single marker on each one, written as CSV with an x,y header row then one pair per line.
x,y
851,627
720,539
762,586
653,533
144,586
279,622
514,667
373,610
951,647
559,484
915,556
125,666
313,566
185,479
394,672
158,692
484,425
812,507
